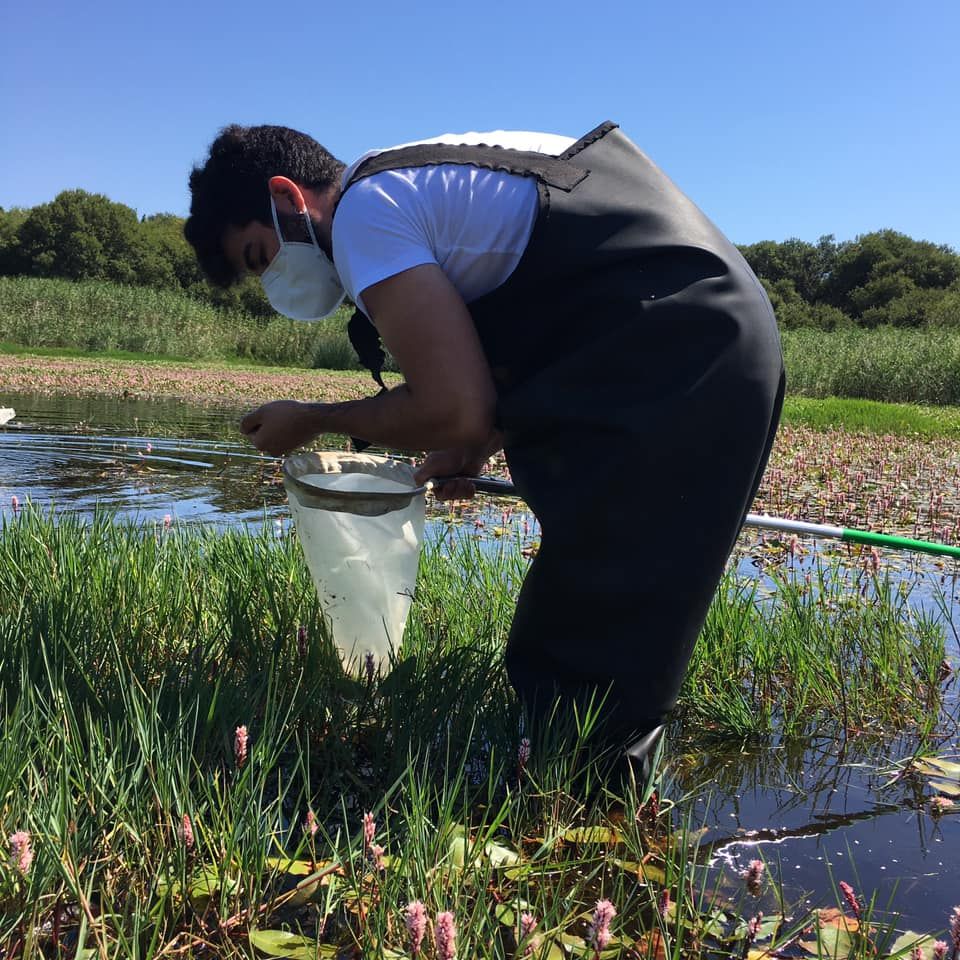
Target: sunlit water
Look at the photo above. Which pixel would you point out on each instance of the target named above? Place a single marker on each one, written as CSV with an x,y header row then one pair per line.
x,y
798,806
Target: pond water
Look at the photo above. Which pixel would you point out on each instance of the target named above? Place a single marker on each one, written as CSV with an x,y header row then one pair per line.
x,y
798,806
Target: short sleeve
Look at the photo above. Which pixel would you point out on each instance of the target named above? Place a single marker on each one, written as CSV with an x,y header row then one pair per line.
x,y
379,230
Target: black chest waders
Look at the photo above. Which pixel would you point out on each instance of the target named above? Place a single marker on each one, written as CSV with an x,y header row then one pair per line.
x,y
634,346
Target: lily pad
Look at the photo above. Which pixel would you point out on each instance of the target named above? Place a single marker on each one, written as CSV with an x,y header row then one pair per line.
x,y
283,943
595,834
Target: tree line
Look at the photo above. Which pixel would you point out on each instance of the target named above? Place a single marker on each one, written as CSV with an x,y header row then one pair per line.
x,y
879,278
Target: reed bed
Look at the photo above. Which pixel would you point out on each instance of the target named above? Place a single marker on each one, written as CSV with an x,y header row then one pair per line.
x,y
903,365
896,365
101,317
187,770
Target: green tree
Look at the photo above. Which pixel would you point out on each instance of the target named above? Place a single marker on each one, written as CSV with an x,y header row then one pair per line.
x,y
10,256
807,266
82,236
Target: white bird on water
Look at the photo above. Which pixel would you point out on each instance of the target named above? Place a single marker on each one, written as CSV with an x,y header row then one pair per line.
x,y
6,415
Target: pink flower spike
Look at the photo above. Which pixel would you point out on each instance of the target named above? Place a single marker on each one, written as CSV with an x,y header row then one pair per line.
x,y
598,935
310,824
939,950
523,752
528,923
369,830
753,927
240,740
186,831
167,521
302,641
955,927
753,875
850,897
445,931
15,503
22,851
415,917
376,855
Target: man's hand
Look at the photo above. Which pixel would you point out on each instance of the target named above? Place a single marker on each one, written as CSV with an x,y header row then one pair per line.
x,y
456,462
281,426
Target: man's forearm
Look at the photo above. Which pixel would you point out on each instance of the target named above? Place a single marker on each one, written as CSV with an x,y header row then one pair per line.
x,y
395,419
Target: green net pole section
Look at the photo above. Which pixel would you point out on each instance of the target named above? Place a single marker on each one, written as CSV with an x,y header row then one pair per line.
x,y
803,529
799,527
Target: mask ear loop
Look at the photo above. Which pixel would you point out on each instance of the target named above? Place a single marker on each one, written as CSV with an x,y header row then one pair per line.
x,y
306,216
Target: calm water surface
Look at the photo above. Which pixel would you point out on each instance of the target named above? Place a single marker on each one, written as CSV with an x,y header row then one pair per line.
x,y
798,806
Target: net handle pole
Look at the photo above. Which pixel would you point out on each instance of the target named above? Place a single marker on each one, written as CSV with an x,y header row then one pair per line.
x,y
799,527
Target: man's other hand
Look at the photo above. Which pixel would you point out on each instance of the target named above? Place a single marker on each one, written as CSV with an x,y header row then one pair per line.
x,y
281,426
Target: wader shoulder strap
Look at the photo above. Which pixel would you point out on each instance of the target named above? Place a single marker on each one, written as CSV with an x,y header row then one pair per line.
x,y
552,171
366,344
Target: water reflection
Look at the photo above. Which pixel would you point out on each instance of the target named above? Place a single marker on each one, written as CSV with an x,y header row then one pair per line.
x,y
801,806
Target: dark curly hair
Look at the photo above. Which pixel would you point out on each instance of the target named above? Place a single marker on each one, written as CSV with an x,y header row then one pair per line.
x,y
230,189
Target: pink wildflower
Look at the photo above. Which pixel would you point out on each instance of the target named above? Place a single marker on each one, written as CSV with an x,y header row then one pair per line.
x,y
186,831
598,935
663,903
15,503
445,931
955,927
310,824
415,917
523,753
302,641
916,954
753,875
167,521
939,804
939,950
369,830
753,927
376,855
528,923
850,897
240,740
22,851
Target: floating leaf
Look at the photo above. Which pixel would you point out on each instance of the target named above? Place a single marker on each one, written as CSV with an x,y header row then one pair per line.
x,y
935,767
591,835
946,787
507,912
298,868
282,943
649,872
909,941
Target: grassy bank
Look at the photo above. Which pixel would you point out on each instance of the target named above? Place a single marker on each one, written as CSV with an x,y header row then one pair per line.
x,y
129,658
96,317
886,364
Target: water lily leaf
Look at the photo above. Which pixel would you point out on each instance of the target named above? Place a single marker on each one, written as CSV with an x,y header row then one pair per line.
x,y
935,767
945,787
650,872
835,935
507,913
591,835
501,856
298,868
909,941
207,882
282,943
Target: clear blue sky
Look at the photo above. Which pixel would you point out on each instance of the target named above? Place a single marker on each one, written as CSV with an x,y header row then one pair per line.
x,y
778,119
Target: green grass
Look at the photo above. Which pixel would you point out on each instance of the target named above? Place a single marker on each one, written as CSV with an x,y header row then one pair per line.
x,y
872,416
129,656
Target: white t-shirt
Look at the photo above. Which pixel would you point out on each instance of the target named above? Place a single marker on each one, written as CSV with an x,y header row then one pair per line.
x,y
474,223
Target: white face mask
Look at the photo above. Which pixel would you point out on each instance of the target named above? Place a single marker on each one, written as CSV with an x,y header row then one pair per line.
x,y
301,282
